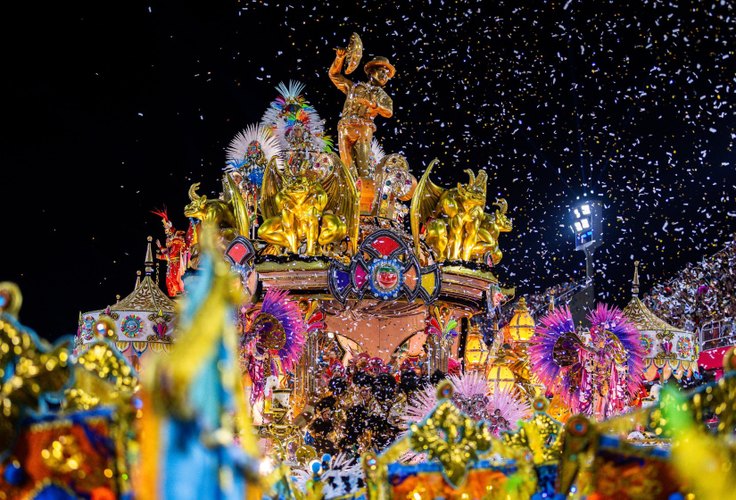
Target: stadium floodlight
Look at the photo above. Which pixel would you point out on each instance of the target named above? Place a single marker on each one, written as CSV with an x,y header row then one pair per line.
x,y
586,225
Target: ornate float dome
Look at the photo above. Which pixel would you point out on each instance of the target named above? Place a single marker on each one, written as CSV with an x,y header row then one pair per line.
x,y
668,350
144,320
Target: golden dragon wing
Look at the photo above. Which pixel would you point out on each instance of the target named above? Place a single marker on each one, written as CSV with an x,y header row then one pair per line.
x,y
343,199
423,203
240,207
270,187
482,180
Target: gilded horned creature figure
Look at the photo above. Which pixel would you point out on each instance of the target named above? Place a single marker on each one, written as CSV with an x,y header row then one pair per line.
x,y
451,218
229,215
491,227
314,208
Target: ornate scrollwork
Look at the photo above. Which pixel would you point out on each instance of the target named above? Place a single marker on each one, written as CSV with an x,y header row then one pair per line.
x,y
452,438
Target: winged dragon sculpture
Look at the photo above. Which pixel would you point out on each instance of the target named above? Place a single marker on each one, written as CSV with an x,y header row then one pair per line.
x,y
314,207
455,225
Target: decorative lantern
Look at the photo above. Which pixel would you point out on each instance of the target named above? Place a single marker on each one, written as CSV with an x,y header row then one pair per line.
x,y
521,326
500,377
476,351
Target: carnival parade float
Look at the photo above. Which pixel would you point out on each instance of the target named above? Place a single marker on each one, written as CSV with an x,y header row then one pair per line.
x,y
332,330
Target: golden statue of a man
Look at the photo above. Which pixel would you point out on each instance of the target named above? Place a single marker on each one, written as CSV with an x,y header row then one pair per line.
x,y
364,101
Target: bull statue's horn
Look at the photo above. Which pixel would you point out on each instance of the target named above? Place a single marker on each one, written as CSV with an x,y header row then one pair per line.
x,y
482,179
471,175
502,205
193,192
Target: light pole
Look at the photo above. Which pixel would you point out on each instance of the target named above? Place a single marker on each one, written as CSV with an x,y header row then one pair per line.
x,y
586,225
587,229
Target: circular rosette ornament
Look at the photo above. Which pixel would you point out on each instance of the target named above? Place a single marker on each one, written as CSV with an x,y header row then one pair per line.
x,y
646,345
685,347
131,326
386,278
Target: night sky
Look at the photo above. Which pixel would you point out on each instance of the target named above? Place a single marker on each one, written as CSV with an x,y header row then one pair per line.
x,y
114,110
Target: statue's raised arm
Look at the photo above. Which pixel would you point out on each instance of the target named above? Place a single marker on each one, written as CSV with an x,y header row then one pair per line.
x,y
341,81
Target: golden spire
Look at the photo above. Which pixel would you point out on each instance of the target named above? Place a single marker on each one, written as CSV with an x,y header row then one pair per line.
x,y
551,300
149,258
635,281
146,295
639,314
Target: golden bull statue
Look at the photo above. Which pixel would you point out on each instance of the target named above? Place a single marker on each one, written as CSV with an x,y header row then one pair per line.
x,y
490,228
452,218
229,217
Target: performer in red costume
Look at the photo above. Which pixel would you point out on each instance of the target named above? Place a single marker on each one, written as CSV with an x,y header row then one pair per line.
x,y
175,253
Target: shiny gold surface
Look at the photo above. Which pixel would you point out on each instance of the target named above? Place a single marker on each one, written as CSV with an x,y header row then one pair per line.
x,y
363,103
353,53
644,319
10,299
521,326
452,217
28,369
310,210
147,296
453,439
102,376
514,357
230,218
476,351
393,183
490,228
541,435
447,435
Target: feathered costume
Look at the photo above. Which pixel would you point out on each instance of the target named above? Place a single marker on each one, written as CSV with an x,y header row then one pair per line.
x,y
273,339
597,373
502,409
339,476
294,122
175,253
250,151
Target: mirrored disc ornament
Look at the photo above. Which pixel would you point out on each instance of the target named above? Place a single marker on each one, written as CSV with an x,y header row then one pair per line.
x,y
354,53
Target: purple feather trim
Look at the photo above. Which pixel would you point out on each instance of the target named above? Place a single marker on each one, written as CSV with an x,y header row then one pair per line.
x,y
613,320
277,304
541,347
